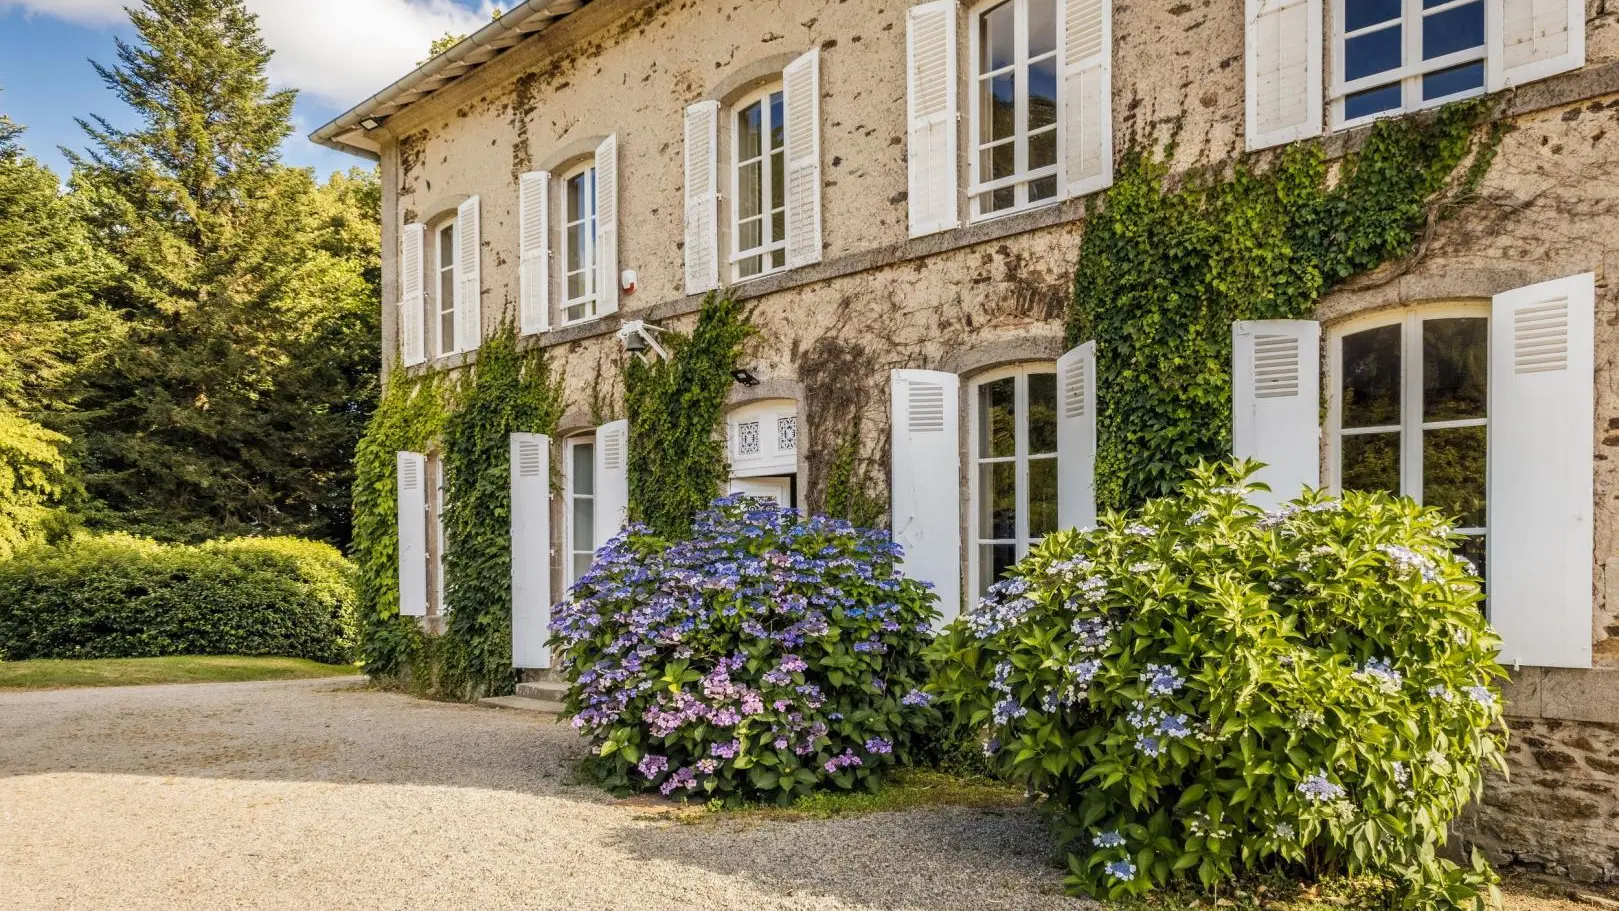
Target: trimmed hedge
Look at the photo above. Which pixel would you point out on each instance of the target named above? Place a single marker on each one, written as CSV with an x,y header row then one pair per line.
x,y
117,596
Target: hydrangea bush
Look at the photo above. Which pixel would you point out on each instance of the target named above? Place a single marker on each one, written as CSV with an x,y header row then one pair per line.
x,y
766,656
1204,688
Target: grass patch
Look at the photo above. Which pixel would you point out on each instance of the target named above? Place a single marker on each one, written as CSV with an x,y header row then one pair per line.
x,y
905,789
51,674
1519,892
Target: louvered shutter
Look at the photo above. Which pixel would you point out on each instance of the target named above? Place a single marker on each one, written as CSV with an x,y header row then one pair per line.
x,y
801,95
412,300
1076,437
1276,404
612,480
1533,39
927,481
607,226
702,197
534,243
411,481
1087,92
531,549
1283,71
930,43
1541,486
468,278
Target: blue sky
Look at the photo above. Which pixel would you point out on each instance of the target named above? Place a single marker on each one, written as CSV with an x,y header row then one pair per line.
x,y
46,47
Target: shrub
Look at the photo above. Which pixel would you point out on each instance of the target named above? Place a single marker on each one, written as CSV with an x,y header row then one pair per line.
x,y
1203,688
763,658
122,597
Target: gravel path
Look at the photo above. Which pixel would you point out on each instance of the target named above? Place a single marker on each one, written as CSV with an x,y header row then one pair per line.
x,y
325,795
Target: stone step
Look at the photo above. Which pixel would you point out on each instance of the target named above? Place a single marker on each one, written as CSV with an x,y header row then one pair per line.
x,y
548,691
523,704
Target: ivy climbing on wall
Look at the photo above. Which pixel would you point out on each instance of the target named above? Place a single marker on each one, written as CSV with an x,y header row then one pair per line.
x,y
677,459
409,418
1163,272
468,420
509,391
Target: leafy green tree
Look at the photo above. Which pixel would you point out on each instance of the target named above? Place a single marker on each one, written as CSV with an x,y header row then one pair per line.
x,y
235,396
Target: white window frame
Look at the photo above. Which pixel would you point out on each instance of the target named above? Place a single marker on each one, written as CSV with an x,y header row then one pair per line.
x,y
592,297
1412,425
569,497
1020,456
1410,74
977,186
444,304
772,245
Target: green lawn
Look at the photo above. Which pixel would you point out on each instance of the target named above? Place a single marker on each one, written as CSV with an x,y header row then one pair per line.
x,y
52,675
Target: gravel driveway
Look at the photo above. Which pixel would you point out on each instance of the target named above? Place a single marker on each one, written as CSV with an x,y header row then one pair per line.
x,y
325,795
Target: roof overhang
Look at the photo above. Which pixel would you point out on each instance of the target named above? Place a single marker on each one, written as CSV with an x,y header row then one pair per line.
x,y
351,132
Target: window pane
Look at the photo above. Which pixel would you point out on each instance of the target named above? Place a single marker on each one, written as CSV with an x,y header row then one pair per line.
x,y
1043,93
1042,27
583,476
1372,101
750,234
1473,548
1453,462
753,265
749,190
993,562
1043,150
1042,497
1359,14
1045,188
996,415
778,180
584,524
1371,461
446,332
446,247
749,132
997,500
996,37
1371,377
1373,52
1455,368
576,198
1042,413
581,565
999,106
1465,78
778,121
998,162
1000,200
576,249
1453,30
778,224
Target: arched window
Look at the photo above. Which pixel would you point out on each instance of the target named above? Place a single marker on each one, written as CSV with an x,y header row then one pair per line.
x,y
759,183
578,506
1408,410
1012,458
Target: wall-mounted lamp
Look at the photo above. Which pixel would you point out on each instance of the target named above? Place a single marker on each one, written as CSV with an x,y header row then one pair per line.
x,y
637,337
744,376
370,123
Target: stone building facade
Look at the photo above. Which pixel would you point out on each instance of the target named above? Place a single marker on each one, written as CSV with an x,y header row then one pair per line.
x,y
903,188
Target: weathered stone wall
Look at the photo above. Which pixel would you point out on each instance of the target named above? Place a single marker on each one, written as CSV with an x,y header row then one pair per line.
x,y
993,293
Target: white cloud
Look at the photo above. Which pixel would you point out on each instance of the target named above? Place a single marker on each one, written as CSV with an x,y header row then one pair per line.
x,y
341,51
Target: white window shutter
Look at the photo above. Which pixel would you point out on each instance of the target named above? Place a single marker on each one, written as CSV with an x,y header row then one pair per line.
x,y
801,95
1087,96
1276,404
1532,39
1541,485
927,481
931,113
1076,437
607,226
468,280
612,480
702,197
534,250
411,482
1283,71
531,549
412,300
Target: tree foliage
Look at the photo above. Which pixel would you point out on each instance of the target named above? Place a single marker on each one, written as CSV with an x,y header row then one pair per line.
x,y
248,297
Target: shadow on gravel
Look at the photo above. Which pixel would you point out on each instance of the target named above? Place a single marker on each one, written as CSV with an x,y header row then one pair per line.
x,y
938,860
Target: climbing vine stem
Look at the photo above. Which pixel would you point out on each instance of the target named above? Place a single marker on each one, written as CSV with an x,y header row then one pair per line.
x,y
1163,272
